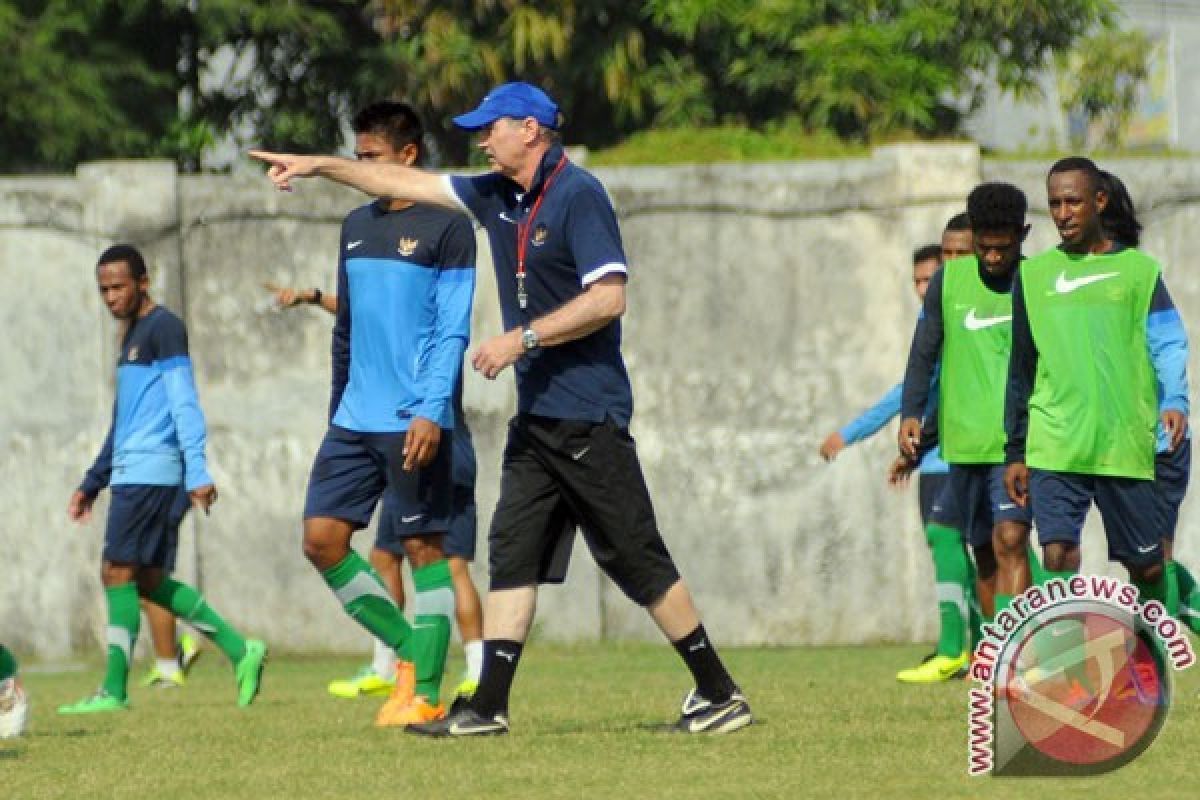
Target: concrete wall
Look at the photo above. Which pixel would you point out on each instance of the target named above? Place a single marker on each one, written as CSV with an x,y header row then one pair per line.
x,y
768,304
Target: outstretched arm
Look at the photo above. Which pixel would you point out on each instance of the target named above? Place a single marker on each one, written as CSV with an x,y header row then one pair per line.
x,y
378,180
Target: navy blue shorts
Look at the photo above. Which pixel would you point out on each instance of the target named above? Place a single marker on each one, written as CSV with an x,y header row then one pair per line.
x,y
1171,474
353,471
460,538
929,486
1128,507
143,525
973,499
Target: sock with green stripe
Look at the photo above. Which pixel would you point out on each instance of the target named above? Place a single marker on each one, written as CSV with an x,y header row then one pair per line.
x,y
365,598
1061,646
433,610
974,608
8,664
189,605
1189,598
950,571
124,616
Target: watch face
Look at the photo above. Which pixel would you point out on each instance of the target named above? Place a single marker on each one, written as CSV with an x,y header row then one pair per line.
x,y
529,338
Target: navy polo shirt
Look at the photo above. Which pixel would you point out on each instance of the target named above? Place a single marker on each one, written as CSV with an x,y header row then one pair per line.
x,y
573,242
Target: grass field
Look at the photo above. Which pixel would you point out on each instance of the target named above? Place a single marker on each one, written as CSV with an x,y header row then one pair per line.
x,y
833,723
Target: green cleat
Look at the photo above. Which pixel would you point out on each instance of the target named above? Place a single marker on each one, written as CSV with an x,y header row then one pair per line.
x,y
188,650
249,671
155,678
935,670
367,683
99,703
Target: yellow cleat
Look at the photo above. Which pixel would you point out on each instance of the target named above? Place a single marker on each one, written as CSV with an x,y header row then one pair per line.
x,y
416,712
367,683
936,670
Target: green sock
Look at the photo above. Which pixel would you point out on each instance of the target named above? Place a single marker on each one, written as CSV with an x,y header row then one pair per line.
x,y
364,597
950,570
1053,648
1189,598
8,664
124,616
188,604
1164,590
974,609
433,609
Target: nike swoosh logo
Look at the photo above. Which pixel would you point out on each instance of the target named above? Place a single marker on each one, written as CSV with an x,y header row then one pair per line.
x,y
411,519
504,216
1006,506
581,453
1065,285
1149,549
974,323
354,244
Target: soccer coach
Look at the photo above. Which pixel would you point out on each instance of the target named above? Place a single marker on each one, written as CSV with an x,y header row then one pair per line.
x,y
569,460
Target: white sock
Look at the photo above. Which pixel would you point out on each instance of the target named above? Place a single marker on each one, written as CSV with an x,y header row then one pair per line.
x,y
167,667
384,661
473,650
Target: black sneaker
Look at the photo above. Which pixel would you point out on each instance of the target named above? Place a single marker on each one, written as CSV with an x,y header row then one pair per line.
x,y
464,722
701,715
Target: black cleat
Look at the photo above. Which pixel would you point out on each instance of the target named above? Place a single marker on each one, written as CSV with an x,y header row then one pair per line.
x,y
701,715
462,722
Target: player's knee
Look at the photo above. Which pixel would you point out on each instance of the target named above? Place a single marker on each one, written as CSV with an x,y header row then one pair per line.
x,y
423,550
1009,541
1145,573
321,551
1055,557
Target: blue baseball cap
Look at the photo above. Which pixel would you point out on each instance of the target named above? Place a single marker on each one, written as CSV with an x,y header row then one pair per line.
x,y
517,100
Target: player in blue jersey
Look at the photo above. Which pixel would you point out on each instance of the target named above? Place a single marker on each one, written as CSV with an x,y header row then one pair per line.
x,y
156,444
926,261
406,277
386,557
561,271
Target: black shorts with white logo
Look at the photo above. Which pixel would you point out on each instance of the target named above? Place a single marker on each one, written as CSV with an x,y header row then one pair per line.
x,y
559,474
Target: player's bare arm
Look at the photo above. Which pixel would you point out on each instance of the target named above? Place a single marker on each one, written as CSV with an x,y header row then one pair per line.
x,y
599,304
394,181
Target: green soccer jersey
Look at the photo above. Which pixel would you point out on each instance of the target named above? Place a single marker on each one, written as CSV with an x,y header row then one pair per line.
x,y
977,340
1094,404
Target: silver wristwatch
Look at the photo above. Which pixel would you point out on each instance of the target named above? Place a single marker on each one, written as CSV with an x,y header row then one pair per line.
x,y
529,339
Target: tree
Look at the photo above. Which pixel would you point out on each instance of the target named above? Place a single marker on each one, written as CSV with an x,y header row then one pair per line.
x,y
170,78
1101,77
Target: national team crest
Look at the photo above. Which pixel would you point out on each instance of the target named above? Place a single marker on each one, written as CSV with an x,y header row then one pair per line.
x,y
408,246
539,235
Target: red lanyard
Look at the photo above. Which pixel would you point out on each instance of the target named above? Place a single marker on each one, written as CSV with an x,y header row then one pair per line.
x,y
523,231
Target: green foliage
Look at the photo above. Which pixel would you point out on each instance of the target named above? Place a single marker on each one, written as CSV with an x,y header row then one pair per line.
x,y
724,143
1101,77
85,79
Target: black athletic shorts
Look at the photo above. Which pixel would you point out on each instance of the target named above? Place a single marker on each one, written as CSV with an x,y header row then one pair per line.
x,y
559,474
